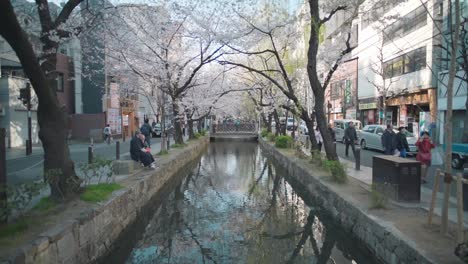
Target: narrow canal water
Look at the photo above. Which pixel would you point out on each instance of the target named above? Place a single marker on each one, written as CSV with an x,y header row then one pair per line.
x,y
236,206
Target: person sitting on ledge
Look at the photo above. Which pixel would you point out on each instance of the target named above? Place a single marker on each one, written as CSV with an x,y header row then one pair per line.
x,y
139,152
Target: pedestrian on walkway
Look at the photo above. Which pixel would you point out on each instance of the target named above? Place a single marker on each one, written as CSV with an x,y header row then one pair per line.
x,y
424,145
318,138
107,134
332,132
402,142
139,152
350,138
146,131
389,140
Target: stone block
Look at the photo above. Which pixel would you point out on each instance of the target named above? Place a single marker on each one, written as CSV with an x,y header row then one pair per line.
x,y
67,247
125,167
41,244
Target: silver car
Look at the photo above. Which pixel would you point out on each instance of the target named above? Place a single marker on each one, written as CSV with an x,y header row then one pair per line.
x,y
371,138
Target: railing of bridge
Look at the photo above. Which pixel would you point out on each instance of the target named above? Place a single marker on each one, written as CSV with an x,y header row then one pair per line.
x,y
232,128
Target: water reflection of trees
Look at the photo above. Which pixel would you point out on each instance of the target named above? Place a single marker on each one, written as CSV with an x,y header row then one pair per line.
x,y
251,214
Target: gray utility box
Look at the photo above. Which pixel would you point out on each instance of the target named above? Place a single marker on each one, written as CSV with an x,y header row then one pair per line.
x,y
397,178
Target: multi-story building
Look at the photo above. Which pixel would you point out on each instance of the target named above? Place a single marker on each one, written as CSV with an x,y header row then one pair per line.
x,y
398,62
460,87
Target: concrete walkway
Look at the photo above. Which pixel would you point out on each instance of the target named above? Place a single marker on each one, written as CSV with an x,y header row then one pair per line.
x,y
365,176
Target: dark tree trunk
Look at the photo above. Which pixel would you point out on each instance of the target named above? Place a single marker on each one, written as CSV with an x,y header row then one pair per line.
x,y
270,119
190,128
277,122
264,120
52,119
177,126
310,127
317,88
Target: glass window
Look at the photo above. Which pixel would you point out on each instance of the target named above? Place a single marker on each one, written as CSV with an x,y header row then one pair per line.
x,y
371,129
420,59
397,65
60,82
379,130
387,69
409,63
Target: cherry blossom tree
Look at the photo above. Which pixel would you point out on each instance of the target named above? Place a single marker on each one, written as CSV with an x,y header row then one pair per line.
x,y
40,69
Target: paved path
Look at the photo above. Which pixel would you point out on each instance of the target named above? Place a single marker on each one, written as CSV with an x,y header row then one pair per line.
x,y
22,168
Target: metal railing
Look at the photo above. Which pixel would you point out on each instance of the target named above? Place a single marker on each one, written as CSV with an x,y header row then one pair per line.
x,y
230,128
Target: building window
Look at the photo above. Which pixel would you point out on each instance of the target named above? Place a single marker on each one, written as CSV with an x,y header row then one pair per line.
x,y
60,82
410,62
336,90
405,25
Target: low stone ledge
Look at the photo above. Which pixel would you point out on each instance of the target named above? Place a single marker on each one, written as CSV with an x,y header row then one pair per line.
x,y
125,167
381,237
91,234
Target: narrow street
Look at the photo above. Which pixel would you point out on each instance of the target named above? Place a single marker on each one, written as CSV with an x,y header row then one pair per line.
x,y
30,168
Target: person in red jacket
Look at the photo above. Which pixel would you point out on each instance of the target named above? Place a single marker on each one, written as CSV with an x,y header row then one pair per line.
x,y
424,145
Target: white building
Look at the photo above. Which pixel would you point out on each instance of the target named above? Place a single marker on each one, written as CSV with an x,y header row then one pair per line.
x,y
401,38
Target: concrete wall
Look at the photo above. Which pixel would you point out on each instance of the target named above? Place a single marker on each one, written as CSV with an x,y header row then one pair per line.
x,y
16,115
385,242
92,235
81,124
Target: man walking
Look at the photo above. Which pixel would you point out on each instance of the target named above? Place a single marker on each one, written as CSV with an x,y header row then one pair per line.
x,y
402,142
350,138
107,134
146,131
389,140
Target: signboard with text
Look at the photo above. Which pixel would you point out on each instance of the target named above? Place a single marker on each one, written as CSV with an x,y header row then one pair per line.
x,y
114,120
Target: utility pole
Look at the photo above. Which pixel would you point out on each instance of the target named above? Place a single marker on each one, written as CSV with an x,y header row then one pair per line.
x,y
25,97
29,147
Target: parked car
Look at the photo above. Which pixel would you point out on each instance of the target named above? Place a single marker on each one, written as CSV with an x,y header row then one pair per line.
x,y
459,155
371,138
303,128
291,124
341,124
156,130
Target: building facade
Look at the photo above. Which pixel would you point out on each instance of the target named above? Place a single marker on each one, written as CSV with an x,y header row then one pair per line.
x,y
398,63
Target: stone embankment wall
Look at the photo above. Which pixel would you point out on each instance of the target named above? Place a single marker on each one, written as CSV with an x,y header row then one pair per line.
x,y
384,241
92,235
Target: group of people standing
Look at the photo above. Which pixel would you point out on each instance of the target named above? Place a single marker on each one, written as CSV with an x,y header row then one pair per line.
x,y
392,142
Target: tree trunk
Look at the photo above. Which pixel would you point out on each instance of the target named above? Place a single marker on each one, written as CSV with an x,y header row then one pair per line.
x,y
317,88
449,121
177,126
277,122
268,124
58,167
190,128
309,121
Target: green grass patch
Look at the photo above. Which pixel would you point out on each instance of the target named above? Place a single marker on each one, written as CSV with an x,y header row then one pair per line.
x,y
377,199
284,142
264,133
197,135
13,229
162,153
178,145
271,137
99,192
337,171
45,204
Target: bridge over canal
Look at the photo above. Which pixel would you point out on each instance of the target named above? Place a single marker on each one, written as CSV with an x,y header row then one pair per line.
x,y
245,131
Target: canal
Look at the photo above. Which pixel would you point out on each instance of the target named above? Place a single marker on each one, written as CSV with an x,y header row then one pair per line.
x,y
235,206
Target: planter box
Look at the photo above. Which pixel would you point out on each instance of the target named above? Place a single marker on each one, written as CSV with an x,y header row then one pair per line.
x,y
397,178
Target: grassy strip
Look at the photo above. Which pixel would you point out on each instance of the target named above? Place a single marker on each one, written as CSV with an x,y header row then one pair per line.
x,y
162,153
99,192
45,204
14,229
178,145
